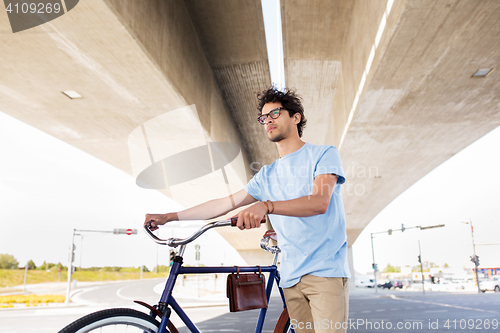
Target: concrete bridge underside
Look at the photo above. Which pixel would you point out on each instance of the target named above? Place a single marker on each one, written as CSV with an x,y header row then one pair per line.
x,y
388,82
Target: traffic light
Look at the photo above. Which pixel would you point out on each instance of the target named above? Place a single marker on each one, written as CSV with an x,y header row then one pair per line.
x,y
402,227
475,260
419,259
172,256
374,266
389,232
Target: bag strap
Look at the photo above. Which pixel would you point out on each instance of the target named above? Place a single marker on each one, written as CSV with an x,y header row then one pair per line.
x,y
238,270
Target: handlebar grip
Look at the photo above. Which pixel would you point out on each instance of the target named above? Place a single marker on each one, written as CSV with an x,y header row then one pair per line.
x,y
235,219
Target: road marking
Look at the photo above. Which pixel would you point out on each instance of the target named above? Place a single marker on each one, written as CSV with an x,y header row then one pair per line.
x,y
119,294
442,304
437,311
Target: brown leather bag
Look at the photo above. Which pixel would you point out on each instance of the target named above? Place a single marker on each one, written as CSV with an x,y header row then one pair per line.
x,y
246,291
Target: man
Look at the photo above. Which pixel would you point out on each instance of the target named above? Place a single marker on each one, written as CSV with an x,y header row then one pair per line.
x,y
301,192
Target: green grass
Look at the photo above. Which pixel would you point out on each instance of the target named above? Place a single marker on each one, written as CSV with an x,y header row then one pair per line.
x,y
13,277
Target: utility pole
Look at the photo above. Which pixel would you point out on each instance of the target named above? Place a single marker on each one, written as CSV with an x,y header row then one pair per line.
x,y
476,261
25,276
73,247
70,265
374,265
421,268
475,258
81,251
389,232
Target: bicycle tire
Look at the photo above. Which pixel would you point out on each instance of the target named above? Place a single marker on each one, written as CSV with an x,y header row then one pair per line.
x,y
283,324
120,317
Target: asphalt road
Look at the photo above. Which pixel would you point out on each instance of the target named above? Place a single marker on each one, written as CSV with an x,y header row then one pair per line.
x,y
400,311
393,311
388,311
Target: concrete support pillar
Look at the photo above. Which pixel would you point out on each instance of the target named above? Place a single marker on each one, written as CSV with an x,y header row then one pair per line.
x,y
350,260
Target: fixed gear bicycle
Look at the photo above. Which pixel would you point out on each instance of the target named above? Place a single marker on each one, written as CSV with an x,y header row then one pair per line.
x,y
128,320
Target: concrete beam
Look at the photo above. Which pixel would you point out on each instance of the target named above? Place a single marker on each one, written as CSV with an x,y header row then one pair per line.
x,y
233,38
422,106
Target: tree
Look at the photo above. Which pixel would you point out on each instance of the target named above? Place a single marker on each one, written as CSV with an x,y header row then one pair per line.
x,y
7,261
392,269
61,267
43,267
31,265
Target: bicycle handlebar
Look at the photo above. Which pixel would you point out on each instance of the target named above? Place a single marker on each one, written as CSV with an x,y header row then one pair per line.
x,y
174,242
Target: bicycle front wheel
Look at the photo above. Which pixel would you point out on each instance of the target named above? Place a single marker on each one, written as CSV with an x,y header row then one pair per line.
x,y
113,320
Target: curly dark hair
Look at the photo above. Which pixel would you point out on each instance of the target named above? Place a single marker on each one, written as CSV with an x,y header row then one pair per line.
x,y
289,99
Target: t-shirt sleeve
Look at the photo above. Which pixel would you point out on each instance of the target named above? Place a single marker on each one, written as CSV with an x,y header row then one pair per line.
x,y
330,163
253,187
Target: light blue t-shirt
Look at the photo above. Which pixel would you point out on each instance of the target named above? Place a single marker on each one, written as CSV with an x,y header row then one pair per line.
x,y
315,245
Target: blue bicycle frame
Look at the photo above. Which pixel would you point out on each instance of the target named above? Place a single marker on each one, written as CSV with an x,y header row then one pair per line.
x,y
167,300
177,269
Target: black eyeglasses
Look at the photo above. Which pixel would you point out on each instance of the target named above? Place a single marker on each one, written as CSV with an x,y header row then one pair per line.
x,y
274,113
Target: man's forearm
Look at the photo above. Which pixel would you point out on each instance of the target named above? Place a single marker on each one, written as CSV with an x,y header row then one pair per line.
x,y
309,205
206,210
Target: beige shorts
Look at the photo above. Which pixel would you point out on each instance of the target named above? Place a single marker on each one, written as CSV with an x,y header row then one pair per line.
x,y
318,304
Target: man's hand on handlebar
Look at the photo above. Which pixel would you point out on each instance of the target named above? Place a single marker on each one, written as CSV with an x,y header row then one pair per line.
x,y
155,220
251,217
